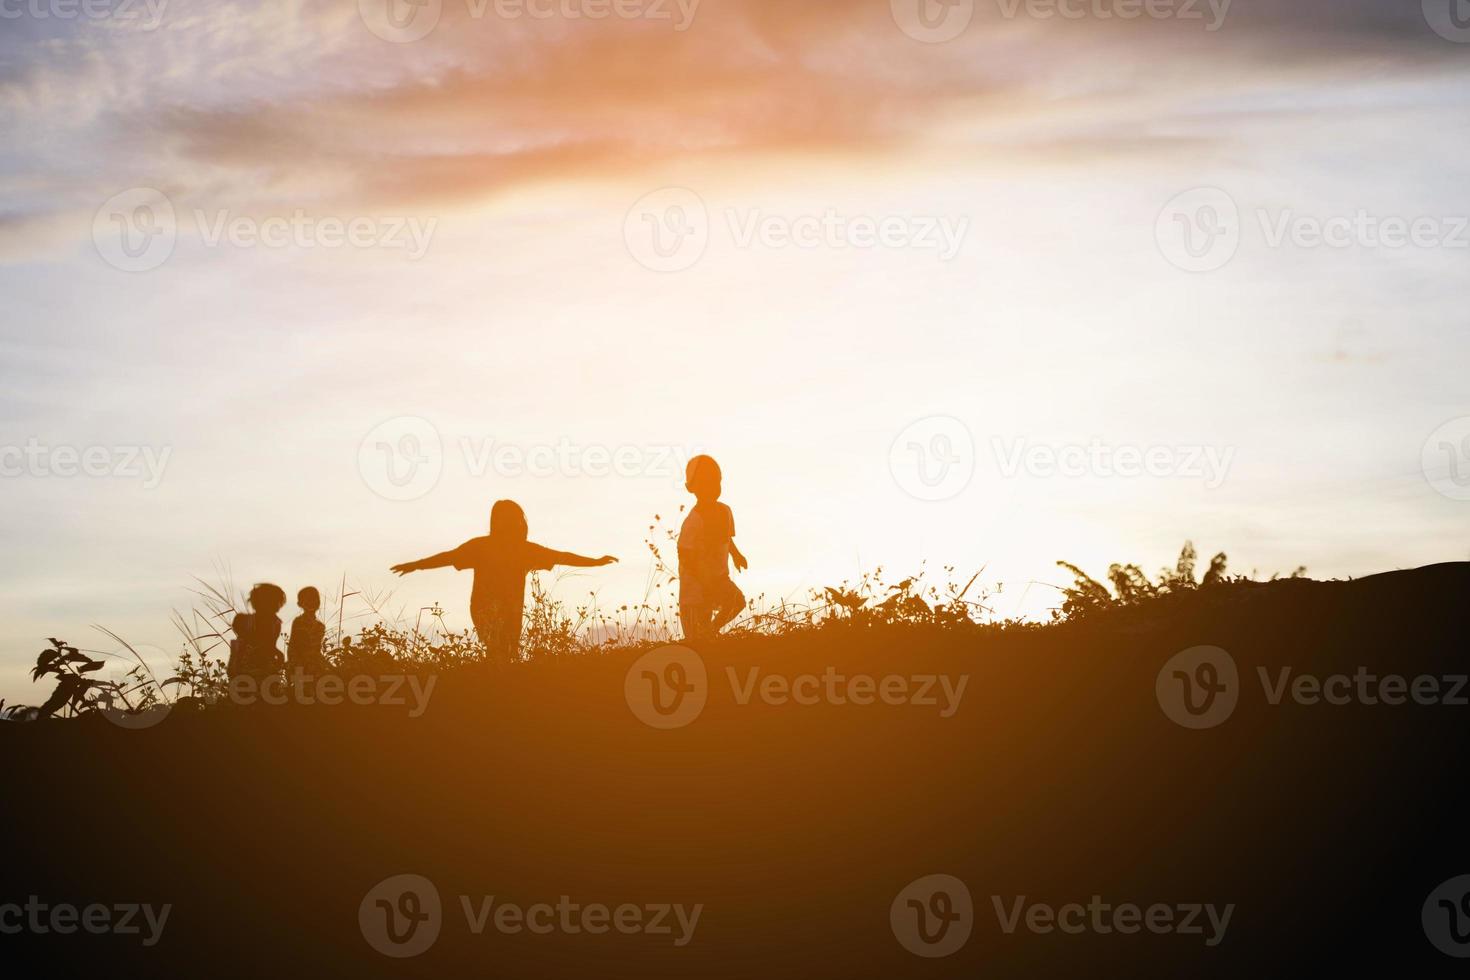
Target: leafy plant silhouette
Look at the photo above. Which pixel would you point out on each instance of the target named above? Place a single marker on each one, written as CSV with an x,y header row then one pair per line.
x,y
1131,585
77,692
73,686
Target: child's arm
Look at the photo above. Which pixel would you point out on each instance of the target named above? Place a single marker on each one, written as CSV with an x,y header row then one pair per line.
x,y
579,561
740,563
443,559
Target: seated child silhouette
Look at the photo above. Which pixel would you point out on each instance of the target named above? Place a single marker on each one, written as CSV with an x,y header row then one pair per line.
x,y
308,634
708,599
501,561
253,651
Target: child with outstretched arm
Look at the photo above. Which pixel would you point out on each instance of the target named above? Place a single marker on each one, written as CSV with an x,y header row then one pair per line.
x,y
501,561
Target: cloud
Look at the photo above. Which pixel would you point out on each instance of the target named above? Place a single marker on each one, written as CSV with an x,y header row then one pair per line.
x,y
288,104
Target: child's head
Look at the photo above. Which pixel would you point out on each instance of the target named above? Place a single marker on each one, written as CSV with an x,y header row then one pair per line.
x,y
702,478
267,599
309,599
508,521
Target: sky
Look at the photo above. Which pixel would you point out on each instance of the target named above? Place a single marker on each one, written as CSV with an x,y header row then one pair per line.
x,y
292,292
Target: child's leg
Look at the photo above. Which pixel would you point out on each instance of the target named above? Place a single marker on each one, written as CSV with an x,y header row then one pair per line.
x,y
510,636
695,618
500,631
731,604
484,625
491,630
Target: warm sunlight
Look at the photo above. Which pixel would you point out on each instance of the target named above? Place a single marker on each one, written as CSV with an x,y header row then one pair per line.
x,y
760,320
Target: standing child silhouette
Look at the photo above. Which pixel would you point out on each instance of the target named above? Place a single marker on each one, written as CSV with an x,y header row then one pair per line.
x,y
501,561
304,648
708,598
253,651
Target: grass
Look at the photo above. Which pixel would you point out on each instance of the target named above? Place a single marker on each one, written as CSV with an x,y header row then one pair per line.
x,y
365,634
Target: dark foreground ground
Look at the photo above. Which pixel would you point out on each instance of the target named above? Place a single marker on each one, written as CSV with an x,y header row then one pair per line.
x,y
796,827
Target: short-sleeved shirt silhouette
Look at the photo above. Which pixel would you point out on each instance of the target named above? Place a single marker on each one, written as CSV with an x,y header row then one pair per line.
x,y
253,651
304,648
704,547
500,568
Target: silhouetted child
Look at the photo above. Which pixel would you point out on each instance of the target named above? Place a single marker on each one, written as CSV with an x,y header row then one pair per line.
x,y
708,599
501,561
253,651
308,634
